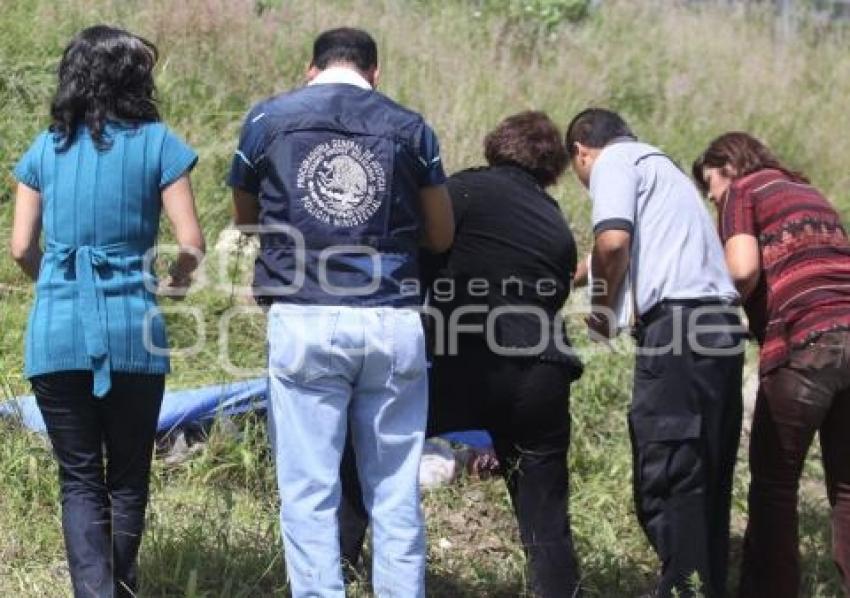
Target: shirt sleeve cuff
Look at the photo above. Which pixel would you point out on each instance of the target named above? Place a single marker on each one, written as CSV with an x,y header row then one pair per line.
x,y
434,180
235,181
434,175
179,169
613,224
26,177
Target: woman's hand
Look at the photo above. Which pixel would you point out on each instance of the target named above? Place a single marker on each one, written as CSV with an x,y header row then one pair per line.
x,y
175,287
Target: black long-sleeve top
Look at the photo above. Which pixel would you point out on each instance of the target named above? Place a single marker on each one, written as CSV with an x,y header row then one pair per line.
x,y
513,249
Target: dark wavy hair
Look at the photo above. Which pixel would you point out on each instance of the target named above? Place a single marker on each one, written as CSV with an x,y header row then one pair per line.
x,y
531,141
742,152
106,74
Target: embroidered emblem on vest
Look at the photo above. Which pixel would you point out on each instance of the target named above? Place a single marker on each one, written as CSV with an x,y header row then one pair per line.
x,y
343,181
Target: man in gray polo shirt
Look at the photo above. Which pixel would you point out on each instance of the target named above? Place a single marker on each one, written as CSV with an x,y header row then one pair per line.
x,y
656,253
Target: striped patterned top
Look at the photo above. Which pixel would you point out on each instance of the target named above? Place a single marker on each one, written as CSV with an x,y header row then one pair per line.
x,y
804,289
100,214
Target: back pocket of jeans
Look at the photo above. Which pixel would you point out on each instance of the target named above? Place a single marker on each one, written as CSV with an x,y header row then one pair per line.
x,y
301,344
409,356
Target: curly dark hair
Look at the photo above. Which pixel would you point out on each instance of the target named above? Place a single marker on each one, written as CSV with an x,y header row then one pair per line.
x,y
106,74
742,152
531,141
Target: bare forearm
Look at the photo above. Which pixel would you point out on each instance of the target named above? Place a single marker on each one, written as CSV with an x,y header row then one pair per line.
x,y
438,228
26,230
179,202
608,267
246,210
743,258
30,262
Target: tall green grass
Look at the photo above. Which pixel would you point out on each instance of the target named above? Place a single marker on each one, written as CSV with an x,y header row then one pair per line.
x,y
679,74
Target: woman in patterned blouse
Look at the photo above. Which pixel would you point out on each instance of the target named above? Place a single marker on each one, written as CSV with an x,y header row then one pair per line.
x,y
790,259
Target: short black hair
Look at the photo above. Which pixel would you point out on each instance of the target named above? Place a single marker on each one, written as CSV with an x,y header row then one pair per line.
x,y
595,127
345,45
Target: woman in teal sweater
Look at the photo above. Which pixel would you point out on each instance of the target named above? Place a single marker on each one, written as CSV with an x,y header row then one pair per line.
x,y
96,352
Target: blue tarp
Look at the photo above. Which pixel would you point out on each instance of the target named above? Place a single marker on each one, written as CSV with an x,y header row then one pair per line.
x,y
181,408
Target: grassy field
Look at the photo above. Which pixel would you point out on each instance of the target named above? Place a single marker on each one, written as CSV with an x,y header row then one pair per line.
x,y
680,75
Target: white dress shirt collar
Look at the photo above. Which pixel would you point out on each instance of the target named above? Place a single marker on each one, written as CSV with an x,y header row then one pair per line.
x,y
341,74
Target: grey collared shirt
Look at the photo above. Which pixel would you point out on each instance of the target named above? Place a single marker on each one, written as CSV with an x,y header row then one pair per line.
x,y
676,252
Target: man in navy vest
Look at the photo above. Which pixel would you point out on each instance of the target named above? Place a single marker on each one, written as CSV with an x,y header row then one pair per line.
x,y
345,185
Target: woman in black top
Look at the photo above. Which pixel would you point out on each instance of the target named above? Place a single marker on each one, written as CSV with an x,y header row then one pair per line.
x,y
509,269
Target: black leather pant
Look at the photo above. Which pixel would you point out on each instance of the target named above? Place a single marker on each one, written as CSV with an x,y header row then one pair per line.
x,y
524,404
811,393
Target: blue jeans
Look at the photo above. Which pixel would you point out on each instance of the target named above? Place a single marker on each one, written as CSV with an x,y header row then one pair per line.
x,y
104,449
330,367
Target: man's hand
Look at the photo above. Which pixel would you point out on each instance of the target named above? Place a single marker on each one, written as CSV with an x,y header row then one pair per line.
x,y
600,328
580,277
609,263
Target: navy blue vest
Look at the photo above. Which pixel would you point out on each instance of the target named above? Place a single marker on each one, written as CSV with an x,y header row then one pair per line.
x,y
339,186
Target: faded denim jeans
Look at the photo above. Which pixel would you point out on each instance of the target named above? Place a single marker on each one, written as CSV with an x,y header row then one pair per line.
x,y
330,366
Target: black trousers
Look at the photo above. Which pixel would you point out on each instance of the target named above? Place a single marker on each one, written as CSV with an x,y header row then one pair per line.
x,y
104,449
685,424
524,405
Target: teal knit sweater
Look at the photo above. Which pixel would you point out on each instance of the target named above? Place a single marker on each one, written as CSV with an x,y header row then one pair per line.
x,y
94,307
